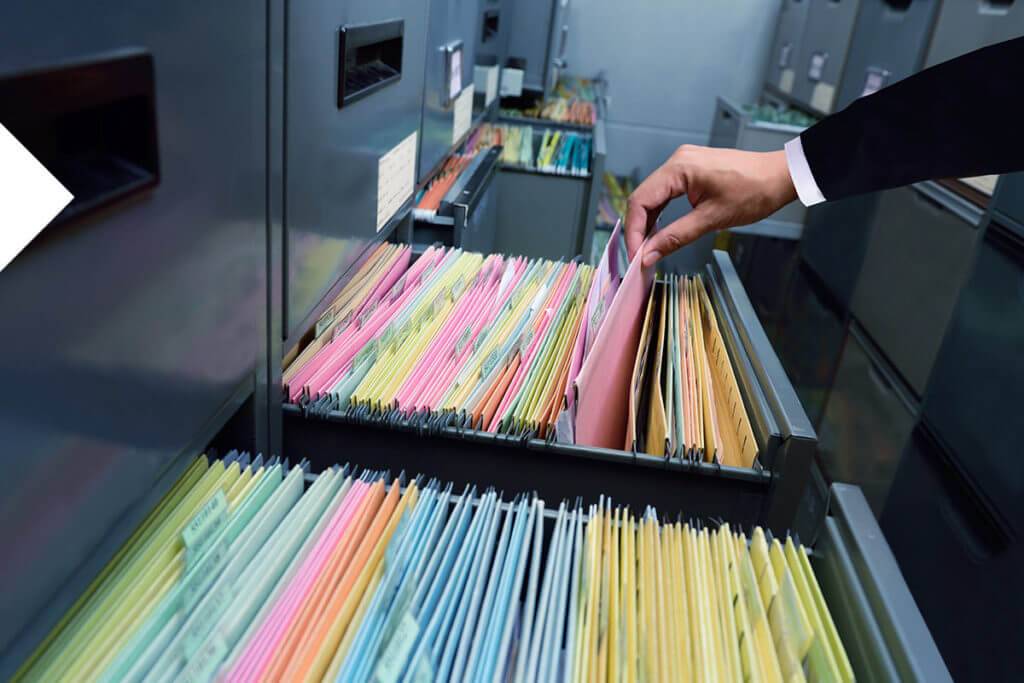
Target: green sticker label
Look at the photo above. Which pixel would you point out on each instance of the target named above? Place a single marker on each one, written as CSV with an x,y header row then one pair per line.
x,y
199,578
207,617
202,529
392,662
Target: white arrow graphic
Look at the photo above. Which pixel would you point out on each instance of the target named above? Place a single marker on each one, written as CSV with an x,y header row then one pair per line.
x,y
30,197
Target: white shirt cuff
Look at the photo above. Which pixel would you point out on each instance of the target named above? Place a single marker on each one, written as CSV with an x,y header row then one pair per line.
x,y
803,180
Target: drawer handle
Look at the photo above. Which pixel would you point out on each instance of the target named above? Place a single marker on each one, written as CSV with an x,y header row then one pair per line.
x,y
994,7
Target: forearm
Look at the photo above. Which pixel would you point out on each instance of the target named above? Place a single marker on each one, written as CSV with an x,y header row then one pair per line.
x,y
956,119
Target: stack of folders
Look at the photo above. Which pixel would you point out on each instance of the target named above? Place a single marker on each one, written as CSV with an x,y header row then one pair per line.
x,y
485,340
548,150
243,573
684,398
530,348
431,196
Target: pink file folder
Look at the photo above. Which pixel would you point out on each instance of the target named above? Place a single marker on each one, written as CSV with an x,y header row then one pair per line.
x,y
602,387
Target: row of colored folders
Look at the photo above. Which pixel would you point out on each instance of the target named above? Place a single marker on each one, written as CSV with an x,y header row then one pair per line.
x,y
549,150
252,571
529,347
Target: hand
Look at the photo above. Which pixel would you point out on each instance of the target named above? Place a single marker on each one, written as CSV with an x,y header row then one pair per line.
x,y
727,187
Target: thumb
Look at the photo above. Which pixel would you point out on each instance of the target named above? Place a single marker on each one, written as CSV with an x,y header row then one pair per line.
x,y
677,234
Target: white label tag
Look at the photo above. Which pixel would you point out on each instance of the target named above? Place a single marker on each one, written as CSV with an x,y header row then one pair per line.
x,y
817,67
396,178
463,117
564,428
821,98
786,79
202,528
873,82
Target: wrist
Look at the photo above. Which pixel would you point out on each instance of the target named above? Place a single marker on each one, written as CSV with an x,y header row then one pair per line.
x,y
782,189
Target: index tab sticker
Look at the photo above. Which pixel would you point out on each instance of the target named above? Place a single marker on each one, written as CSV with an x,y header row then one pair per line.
x,y
324,322
392,662
463,117
396,178
198,533
204,664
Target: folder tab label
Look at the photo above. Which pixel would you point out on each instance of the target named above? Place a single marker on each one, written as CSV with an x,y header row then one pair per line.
x,y
198,533
205,663
202,575
393,661
207,618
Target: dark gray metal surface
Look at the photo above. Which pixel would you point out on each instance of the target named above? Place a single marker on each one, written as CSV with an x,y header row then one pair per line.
x,y
785,52
450,22
809,341
963,575
530,36
878,621
889,44
539,214
827,34
131,335
967,25
919,255
977,388
555,471
332,155
834,240
866,423
1009,198
594,187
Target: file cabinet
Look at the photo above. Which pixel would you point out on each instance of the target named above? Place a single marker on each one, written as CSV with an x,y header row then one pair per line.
x,y
133,323
450,55
785,50
975,393
834,241
810,339
867,421
960,569
965,26
917,258
823,52
335,141
735,128
890,38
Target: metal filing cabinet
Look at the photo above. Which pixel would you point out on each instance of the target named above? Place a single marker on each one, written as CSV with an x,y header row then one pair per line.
x,y
539,214
785,52
834,240
889,43
918,256
823,49
976,392
810,339
450,56
133,322
962,570
734,128
867,420
1009,198
967,25
335,139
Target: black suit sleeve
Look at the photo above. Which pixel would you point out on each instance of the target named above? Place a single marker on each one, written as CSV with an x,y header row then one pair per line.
x,y
961,118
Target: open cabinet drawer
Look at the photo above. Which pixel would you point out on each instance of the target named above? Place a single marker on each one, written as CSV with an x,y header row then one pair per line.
x,y
766,493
